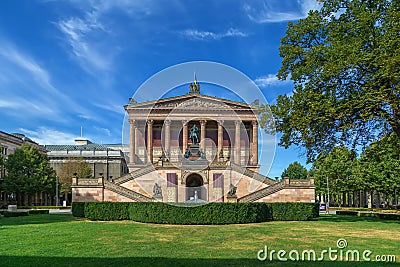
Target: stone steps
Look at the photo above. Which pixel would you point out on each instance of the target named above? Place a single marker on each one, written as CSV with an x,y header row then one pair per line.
x,y
133,175
127,192
262,192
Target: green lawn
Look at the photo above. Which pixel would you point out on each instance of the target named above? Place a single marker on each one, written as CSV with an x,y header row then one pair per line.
x,y
61,240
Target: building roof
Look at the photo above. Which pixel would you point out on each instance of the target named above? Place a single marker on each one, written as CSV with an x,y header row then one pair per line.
x,y
88,147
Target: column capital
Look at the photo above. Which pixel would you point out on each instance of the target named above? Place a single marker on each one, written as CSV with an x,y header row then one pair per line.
x,y
238,122
184,122
220,122
167,122
254,123
203,122
132,122
150,122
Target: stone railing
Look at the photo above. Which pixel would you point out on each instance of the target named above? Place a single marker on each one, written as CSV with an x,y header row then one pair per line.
x,y
126,192
134,175
87,181
255,175
262,192
298,182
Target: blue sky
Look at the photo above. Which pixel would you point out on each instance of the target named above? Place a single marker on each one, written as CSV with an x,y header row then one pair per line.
x,y
67,64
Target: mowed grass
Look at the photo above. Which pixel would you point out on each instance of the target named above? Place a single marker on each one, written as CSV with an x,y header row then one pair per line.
x,y
62,240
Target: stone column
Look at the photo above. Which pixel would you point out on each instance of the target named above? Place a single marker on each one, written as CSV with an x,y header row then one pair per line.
x,y
202,135
132,141
237,142
167,137
220,140
184,136
254,151
150,140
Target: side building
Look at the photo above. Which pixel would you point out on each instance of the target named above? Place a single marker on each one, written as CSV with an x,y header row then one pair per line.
x,y
101,159
8,144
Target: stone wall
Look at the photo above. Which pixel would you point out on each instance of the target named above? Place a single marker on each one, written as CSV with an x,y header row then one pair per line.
x,y
291,194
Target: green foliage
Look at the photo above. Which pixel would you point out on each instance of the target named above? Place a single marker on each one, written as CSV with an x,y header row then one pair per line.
x,y
73,165
336,166
347,212
78,209
28,172
38,212
295,171
294,211
379,165
343,60
15,213
212,213
107,211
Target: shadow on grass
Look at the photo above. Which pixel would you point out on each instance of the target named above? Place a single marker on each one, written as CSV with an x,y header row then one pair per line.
x,y
69,261
350,218
36,219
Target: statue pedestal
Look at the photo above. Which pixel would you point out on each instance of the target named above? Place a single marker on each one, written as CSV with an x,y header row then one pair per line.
x,y
195,159
231,199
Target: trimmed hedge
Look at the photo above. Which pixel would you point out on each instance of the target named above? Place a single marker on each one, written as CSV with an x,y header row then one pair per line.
x,y
45,207
347,212
15,213
294,211
211,213
78,209
38,212
386,216
107,211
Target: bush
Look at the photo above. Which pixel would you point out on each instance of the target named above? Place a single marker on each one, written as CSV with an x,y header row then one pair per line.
x,y
294,211
78,209
38,212
107,211
386,216
15,213
212,213
347,212
44,207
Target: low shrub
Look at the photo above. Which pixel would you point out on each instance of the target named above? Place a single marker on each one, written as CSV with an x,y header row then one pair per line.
x,y
182,213
107,211
44,207
15,213
294,211
78,209
38,212
386,216
347,212
212,213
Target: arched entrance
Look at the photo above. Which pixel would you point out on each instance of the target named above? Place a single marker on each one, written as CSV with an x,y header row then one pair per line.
x,y
194,183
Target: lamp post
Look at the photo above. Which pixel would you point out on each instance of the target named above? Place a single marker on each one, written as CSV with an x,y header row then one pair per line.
x,y
327,187
56,191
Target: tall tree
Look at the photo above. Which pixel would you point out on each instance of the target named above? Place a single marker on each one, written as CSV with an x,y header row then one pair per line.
x,y
336,169
295,171
379,166
73,165
344,61
28,172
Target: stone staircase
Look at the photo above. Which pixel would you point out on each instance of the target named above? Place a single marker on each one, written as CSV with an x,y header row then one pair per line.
x,y
126,192
255,175
263,192
134,175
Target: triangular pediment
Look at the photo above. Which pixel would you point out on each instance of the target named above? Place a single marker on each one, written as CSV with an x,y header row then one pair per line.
x,y
192,101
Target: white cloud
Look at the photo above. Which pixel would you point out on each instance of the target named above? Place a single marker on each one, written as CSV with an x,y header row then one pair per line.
x,y
270,11
207,35
270,80
48,136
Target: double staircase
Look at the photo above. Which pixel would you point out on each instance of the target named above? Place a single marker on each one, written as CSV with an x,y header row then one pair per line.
x,y
134,175
255,175
263,192
126,192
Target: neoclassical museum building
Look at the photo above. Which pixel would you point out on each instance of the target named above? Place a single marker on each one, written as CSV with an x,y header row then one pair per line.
x,y
193,148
